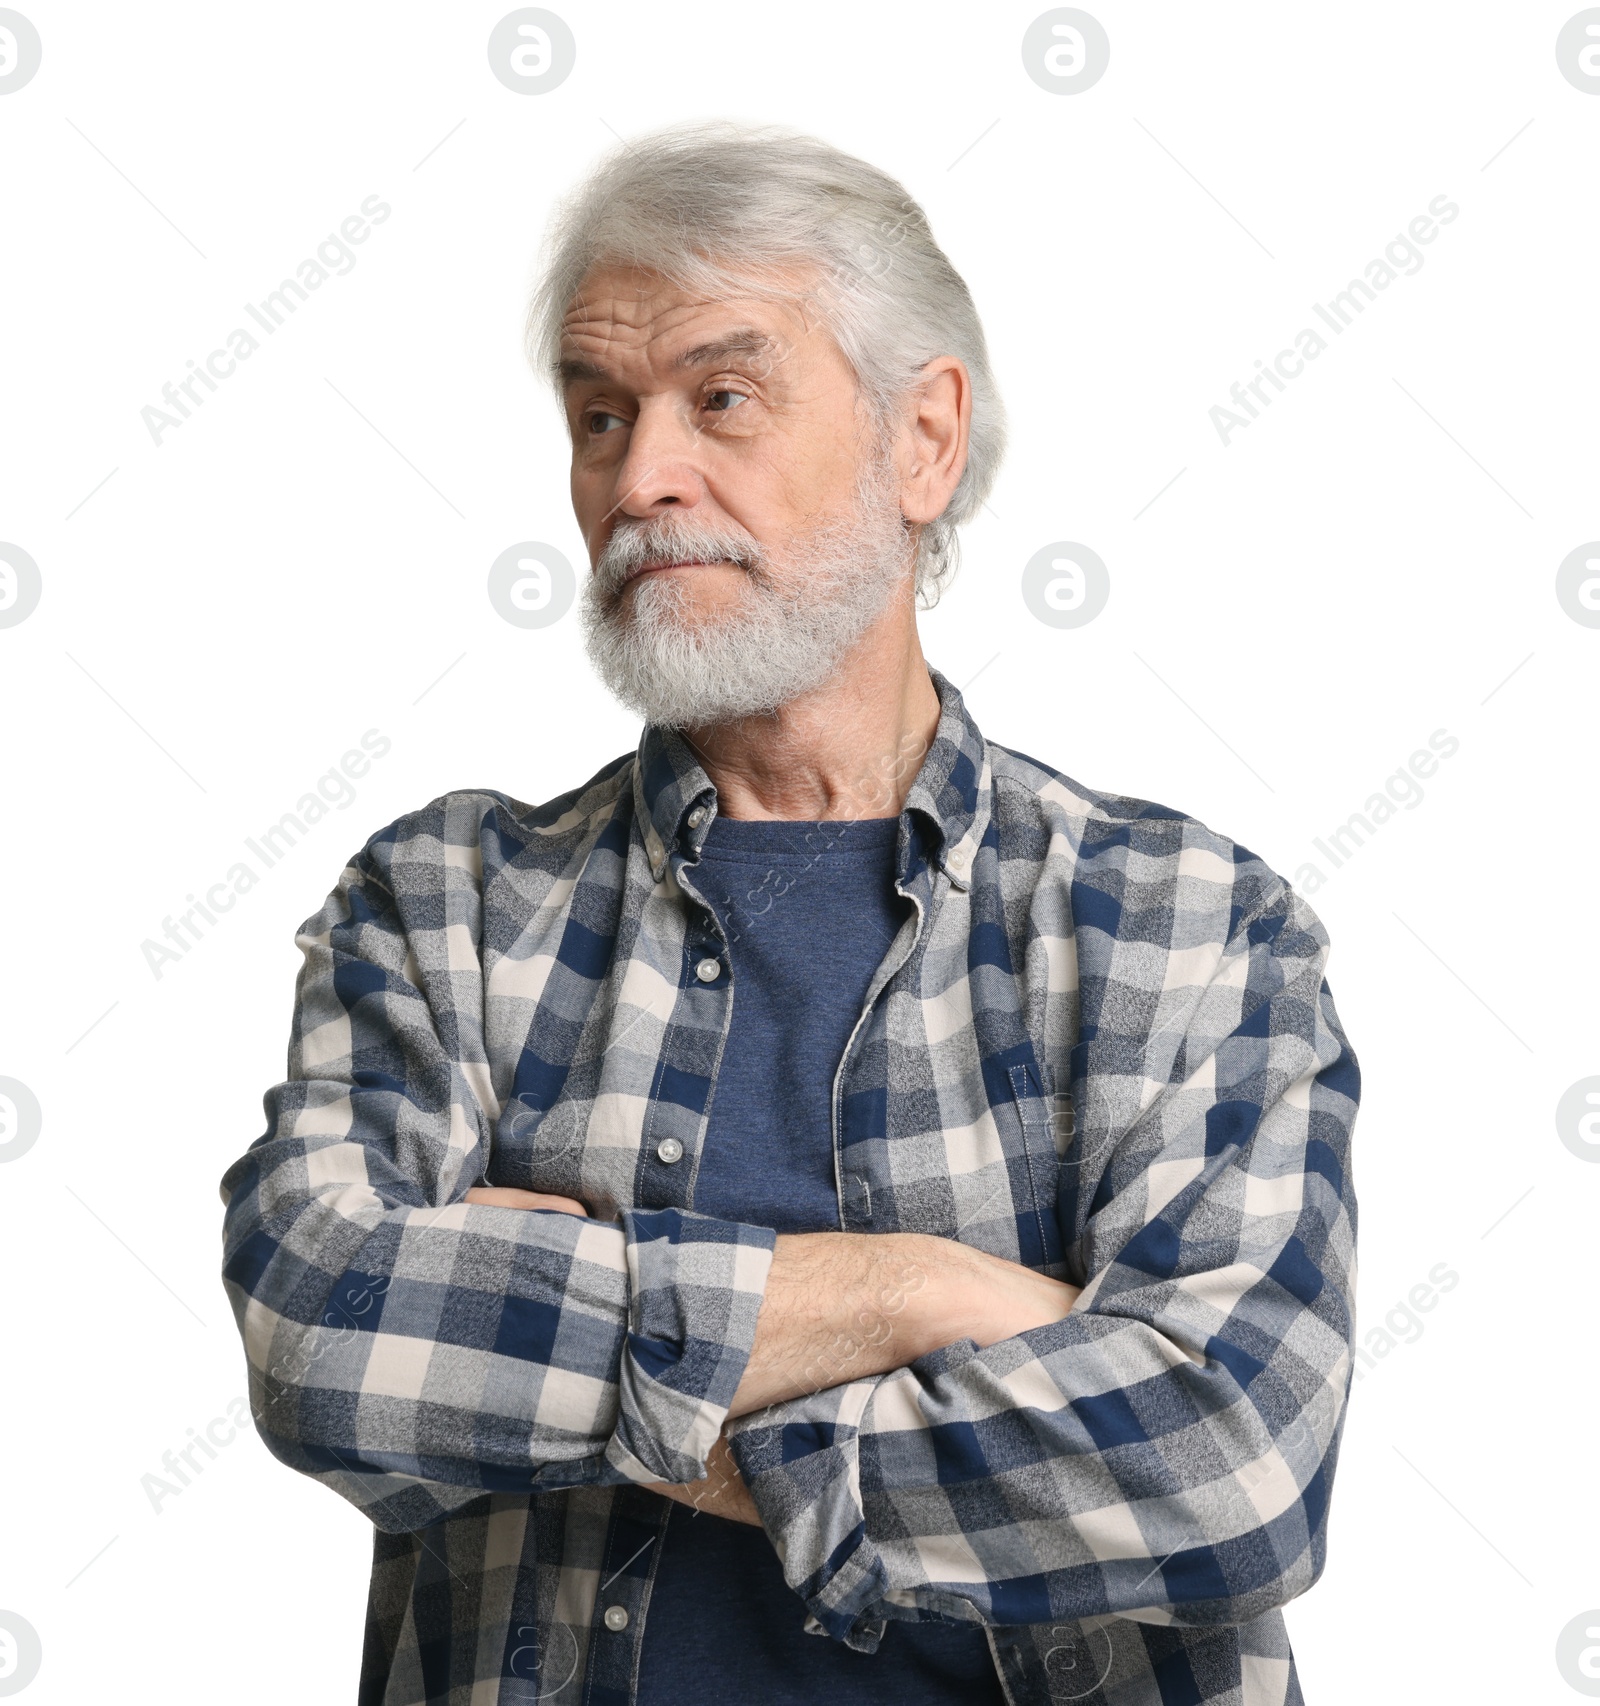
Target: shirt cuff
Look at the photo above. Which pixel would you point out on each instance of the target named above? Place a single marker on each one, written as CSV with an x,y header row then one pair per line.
x,y
695,1286
801,1461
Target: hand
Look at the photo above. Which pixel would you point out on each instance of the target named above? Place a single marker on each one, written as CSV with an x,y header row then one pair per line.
x,y
722,1493
508,1196
1000,1299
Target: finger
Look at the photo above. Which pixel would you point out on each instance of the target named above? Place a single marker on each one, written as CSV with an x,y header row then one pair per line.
x,y
508,1196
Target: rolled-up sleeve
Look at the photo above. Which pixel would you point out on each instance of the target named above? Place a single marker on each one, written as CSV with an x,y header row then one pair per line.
x,y
415,1351
1166,1452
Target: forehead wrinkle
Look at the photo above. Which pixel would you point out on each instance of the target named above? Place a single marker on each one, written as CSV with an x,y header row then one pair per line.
x,y
638,322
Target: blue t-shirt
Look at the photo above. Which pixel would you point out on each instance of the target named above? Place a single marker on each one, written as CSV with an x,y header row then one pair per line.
x,y
809,911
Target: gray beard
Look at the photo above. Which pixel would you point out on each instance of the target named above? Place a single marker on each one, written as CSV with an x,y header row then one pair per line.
x,y
794,622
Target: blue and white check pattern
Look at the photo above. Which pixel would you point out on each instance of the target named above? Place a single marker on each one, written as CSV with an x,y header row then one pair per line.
x,y
1102,1045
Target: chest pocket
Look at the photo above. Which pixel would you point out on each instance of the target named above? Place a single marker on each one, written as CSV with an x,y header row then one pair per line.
x,y
1046,1121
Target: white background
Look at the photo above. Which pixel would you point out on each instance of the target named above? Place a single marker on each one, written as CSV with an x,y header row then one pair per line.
x,y
1372,560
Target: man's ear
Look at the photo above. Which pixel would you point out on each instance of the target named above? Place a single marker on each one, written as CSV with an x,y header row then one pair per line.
x,y
937,428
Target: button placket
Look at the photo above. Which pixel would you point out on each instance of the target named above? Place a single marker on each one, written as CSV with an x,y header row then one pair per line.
x,y
709,982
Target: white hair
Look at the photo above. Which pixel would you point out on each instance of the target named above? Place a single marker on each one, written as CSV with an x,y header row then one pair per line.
x,y
718,206
785,635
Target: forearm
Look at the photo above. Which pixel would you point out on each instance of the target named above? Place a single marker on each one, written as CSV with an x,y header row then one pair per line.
x,y
831,1295
342,1302
843,1305
1052,1476
327,1306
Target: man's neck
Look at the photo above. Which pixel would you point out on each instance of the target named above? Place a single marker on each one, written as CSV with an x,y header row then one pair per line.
x,y
849,749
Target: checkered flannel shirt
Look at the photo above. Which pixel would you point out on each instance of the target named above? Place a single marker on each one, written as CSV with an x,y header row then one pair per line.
x,y
1101,1045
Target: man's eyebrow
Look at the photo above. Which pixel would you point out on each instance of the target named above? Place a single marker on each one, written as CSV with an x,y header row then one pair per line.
x,y
746,340
571,369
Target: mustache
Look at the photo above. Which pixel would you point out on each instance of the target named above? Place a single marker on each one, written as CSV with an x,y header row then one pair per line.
x,y
636,545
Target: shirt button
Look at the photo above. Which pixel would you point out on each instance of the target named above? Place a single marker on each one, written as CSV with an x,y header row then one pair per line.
x,y
697,817
616,1617
707,970
669,1150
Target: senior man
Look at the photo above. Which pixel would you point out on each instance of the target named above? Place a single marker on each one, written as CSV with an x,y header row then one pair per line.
x,y
830,1209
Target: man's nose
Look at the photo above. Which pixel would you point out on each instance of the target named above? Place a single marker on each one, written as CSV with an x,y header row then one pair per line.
x,y
662,467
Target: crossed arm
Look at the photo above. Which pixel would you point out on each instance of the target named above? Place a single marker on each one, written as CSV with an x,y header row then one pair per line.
x,y
843,1306
987,1442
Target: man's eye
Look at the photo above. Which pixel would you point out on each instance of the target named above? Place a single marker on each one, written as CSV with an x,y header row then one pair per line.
x,y
601,421
723,407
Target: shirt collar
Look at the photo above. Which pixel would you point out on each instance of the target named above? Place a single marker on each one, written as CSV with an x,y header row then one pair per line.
x,y
952,789
950,792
